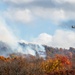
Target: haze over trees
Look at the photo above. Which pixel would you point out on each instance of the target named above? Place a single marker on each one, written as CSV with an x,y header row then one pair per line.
x,y
58,61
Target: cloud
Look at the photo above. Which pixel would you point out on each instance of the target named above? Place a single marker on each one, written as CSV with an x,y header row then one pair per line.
x,y
70,1
64,39
43,38
18,1
29,15
61,38
57,4
61,12
52,14
27,11
24,16
54,10
6,34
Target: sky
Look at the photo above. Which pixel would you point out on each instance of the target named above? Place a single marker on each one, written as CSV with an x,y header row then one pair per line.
x,y
39,21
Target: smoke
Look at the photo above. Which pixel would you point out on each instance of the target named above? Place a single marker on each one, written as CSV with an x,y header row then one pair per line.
x,y
23,49
9,43
6,34
5,49
31,48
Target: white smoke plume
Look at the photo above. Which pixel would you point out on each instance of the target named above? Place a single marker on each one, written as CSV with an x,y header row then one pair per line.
x,y
9,43
6,34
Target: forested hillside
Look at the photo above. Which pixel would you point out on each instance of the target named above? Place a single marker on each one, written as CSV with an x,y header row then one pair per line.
x,y
57,61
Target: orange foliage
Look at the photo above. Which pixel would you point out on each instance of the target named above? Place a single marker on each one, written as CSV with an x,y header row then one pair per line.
x,y
56,64
32,65
63,59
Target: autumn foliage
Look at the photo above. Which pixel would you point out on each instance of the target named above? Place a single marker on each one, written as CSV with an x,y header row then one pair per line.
x,y
56,64
35,66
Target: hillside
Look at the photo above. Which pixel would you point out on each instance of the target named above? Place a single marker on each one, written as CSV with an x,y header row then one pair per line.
x,y
34,59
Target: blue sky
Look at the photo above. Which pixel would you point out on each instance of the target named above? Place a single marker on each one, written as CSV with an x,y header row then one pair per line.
x,y
39,21
32,29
